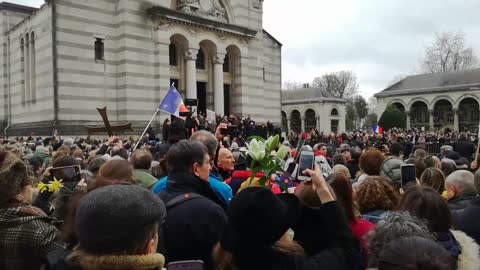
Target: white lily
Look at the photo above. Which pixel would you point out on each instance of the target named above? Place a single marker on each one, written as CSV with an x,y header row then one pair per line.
x,y
256,149
272,142
282,152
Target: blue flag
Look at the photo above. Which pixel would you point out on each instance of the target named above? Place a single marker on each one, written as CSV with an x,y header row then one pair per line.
x,y
172,103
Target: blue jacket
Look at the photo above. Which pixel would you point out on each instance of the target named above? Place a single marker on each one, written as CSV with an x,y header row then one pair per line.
x,y
223,190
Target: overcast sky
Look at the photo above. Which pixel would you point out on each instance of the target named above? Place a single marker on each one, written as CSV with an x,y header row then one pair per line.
x,y
377,39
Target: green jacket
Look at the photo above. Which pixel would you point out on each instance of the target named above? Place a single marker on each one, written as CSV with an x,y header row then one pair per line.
x,y
45,157
144,178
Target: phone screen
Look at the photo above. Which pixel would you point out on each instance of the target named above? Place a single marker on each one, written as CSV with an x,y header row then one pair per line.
x,y
408,174
67,174
185,265
306,162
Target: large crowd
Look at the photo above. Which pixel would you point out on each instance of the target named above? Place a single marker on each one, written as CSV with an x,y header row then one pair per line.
x,y
186,201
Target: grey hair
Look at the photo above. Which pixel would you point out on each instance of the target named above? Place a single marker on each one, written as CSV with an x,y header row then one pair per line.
x,y
395,226
476,179
68,141
208,139
463,180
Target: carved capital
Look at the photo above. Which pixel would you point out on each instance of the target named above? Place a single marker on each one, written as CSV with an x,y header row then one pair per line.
x,y
191,54
162,26
257,4
219,59
193,32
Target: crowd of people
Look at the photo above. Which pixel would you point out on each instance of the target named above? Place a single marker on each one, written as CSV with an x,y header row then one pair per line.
x,y
187,200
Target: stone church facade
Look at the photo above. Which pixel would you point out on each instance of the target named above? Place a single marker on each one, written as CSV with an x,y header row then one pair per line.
x,y
64,60
436,101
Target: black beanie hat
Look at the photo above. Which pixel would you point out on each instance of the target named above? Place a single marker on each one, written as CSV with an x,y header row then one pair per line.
x,y
257,219
112,218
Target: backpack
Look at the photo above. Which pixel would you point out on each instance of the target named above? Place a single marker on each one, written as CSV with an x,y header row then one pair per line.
x,y
181,199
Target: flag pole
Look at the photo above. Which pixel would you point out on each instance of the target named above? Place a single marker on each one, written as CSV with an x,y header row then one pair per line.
x,y
146,128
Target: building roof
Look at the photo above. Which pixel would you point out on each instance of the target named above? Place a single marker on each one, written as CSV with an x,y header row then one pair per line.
x,y
17,8
308,95
444,81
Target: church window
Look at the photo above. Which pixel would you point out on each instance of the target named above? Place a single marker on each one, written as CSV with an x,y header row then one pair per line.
x,y
27,68
22,61
334,112
172,51
32,67
99,49
200,62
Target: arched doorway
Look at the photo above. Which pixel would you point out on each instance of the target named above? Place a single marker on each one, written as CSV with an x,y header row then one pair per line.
x,y
284,122
296,122
178,43
442,115
310,120
468,115
232,80
419,114
399,106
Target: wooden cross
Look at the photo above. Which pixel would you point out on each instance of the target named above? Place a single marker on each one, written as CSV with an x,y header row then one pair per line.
x,y
111,130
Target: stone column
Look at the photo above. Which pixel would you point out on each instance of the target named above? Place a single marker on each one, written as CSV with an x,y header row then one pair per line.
x,y
303,123
218,89
455,120
408,119
430,122
289,125
191,73
318,122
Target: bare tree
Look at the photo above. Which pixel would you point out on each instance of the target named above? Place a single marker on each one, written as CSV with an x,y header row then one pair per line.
x,y
372,104
448,53
291,85
342,84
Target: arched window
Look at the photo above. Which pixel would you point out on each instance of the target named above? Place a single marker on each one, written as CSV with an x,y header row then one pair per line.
x,y
334,112
172,51
32,67
27,68
22,61
200,62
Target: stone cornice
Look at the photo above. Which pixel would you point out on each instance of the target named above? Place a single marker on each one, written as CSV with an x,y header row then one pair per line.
x,y
167,15
432,90
315,100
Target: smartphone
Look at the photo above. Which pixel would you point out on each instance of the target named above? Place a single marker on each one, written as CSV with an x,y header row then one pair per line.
x,y
306,161
185,265
291,168
67,173
408,174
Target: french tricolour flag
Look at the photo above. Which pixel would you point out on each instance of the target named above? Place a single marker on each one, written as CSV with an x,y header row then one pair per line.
x,y
173,102
377,129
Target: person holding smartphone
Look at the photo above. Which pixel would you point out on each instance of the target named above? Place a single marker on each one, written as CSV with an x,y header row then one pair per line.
x,y
256,236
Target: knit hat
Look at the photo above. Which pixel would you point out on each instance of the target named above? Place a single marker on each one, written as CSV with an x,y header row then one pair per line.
x,y
257,219
111,218
14,175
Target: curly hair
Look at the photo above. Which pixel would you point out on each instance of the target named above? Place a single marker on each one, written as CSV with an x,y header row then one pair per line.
x,y
376,193
371,161
395,226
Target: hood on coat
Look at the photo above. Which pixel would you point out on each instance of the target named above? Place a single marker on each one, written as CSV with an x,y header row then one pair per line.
x,y
116,262
16,216
469,259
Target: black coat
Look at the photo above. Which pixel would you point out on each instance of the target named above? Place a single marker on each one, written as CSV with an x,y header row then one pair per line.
x,y
461,202
192,228
326,238
467,220
464,148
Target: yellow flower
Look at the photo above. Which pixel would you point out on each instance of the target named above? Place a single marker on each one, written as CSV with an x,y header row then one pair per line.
x,y
42,187
55,185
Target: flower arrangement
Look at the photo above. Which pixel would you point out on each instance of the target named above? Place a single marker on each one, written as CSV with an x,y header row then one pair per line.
x,y
263,161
